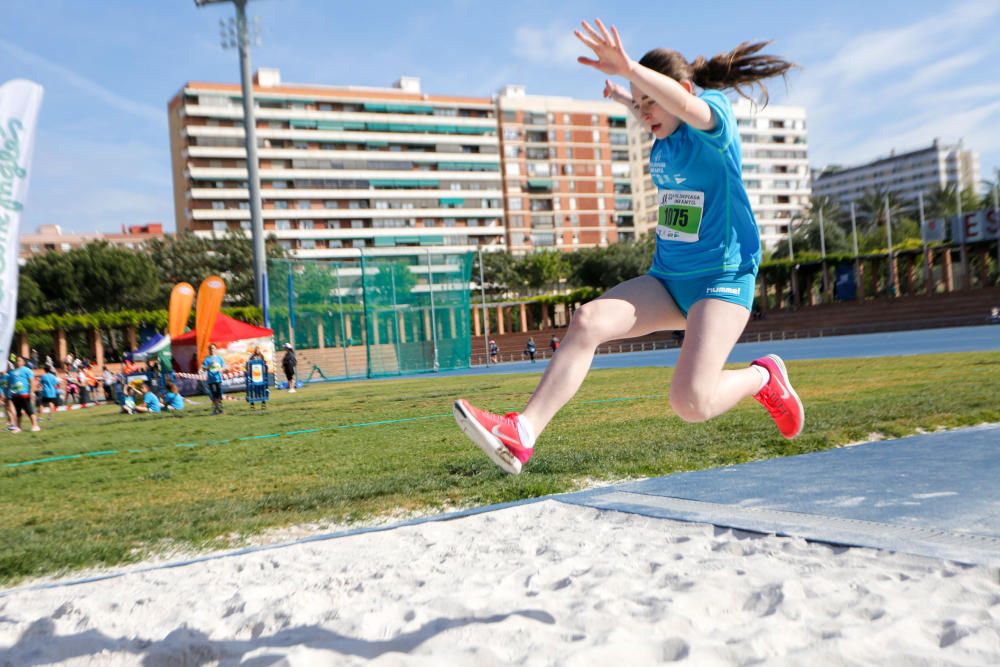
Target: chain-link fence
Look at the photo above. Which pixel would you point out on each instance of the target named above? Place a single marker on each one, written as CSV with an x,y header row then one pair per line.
x,y
373,317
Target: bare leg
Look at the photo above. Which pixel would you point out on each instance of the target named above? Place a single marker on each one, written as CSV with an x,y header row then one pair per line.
x,y
634,308
701,389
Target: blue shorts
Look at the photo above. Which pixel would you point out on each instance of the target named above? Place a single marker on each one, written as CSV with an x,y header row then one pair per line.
x,y
734,287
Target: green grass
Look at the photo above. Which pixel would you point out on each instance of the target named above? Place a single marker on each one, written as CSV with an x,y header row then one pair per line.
x,y
118,508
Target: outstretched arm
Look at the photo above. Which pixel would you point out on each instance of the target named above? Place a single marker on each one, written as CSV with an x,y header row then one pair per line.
x,y
671,95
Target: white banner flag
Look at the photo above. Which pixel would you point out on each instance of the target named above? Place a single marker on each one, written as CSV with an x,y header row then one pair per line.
x,y
19,103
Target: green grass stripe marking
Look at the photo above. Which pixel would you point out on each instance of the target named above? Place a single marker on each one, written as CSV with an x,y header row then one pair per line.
x,y
48,460
384,422
392,421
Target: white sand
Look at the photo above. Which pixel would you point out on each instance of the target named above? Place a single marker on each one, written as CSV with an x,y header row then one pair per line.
x,y
542,584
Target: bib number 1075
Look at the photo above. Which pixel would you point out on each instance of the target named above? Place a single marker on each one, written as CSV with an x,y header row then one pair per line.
x,y
680,215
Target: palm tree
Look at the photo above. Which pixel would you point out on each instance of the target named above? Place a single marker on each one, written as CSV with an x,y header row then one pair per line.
x,y
806,234
871,208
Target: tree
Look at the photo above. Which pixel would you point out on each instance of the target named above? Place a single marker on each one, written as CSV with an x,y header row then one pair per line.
x,y
543,269
95,277
807,236
500,271
186,257
603,268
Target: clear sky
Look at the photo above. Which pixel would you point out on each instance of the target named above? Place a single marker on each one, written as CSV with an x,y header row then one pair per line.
x,y
874,76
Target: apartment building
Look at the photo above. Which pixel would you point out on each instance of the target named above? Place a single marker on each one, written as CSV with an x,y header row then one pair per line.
x,y
774,151
388,170
566,172
52,238
907,174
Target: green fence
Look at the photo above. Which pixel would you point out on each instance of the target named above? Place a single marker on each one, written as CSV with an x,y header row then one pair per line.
x,y
373,317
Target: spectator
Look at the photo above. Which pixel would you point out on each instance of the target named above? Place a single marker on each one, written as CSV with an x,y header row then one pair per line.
x,y
128,399
8,404
21,382
173,400
49,383
48,362
33,362
995,315
213,366
108,380
530,349
289,364
72,389
82,382
92,381
554,344
150,402
494,352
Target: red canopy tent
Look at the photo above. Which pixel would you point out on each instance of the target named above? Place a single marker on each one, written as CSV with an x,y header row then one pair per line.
x,y
235,341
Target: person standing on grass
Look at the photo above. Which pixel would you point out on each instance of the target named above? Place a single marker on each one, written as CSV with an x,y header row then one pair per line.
x,y
289,364
706,257
530,349
8,404
213,366
21,387
49,383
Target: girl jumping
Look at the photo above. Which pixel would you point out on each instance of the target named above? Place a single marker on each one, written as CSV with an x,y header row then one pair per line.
x,y
705,263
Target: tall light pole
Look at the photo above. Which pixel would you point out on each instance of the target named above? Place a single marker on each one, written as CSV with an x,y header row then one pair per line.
x,y
239,36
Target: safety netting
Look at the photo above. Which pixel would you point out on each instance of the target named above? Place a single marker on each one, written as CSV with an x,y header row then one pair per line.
x,y
372,317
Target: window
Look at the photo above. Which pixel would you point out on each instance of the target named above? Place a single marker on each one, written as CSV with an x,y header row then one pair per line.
x,y
572,203
305,224
279,185
281,204
515,203
283,225
220,226
307,244
330,203
218,205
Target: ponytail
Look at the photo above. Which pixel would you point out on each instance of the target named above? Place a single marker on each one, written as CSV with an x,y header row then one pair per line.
x,y
740,69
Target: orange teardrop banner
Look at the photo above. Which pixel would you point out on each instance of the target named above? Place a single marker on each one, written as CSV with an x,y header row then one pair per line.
x,y
210,294
181,300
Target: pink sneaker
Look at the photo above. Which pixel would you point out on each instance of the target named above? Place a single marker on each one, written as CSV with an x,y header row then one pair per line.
x,y
779,398
497,436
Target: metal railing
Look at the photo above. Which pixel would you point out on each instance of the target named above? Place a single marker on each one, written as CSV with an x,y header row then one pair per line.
x,y
757,337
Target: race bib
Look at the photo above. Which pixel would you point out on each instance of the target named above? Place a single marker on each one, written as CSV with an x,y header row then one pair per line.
x,y
680,215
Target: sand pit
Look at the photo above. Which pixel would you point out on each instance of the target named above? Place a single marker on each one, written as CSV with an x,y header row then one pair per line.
x,y
539,584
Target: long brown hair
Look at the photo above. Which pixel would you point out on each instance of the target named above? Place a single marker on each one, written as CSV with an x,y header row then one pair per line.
x,y
740,69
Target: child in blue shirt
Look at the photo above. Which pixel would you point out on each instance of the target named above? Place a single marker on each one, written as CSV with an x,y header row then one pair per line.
x,y
707,252
213,367
49,384
173,400
150,401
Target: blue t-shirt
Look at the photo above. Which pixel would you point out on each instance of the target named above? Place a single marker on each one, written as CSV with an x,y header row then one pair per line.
x,y
49,383
151,401
214,364
174,401
705,225
20,381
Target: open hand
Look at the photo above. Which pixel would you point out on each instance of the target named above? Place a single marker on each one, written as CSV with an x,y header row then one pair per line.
x,y
613,91
611,56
